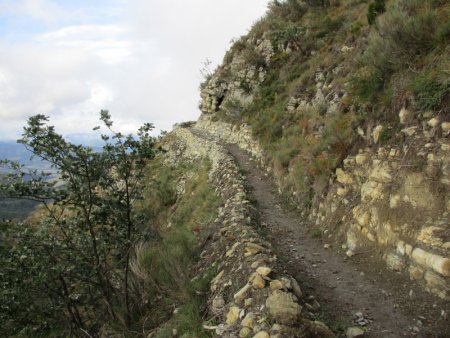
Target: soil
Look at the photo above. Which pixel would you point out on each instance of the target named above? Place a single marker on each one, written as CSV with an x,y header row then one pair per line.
x,y
393,305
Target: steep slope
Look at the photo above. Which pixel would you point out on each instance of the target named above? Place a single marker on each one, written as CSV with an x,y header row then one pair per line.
x,y
346,106
352,120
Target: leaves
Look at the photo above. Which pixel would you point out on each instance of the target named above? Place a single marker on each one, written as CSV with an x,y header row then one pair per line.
x,y
76,255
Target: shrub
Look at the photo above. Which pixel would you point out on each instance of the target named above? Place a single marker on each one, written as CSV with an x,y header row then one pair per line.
x,y
290,10
428,92
289,34
407,31
254,58
375,8
365,85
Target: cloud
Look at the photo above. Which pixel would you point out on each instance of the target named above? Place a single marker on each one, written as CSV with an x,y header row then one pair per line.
x,y
142,65
40,10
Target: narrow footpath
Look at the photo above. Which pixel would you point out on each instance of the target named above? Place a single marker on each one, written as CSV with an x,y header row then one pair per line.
x,y
356,291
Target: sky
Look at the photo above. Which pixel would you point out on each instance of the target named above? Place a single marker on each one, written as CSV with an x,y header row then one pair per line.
x,y
139,59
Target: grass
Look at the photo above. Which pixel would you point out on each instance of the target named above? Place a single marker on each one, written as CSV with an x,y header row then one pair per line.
x,y
188,320
164,263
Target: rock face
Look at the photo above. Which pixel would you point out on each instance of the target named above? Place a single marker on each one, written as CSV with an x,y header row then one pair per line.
x,y
240,291
233,96
397,197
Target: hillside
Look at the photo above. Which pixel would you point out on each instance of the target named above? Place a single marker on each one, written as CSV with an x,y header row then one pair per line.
x,y
346,106
310,199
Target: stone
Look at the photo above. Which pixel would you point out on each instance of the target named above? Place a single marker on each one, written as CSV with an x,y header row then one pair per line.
x,y
376,133
394,201
381,172
436,284
394,262
429,235
371,237
354,332
249,320
296,288
319,329
433,123
264,271
405,116
245,332
253,249
242,293
361,216
437,263
361,159
349,162
445,127
255,264
418,191
218,304
276,285
349,253
409,131
257,281
230,252
341,191
216,280
371,190
233,315
343,177
261,334
248,302
282,307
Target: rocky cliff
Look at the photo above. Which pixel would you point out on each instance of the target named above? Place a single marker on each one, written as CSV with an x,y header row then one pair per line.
x,y
359,142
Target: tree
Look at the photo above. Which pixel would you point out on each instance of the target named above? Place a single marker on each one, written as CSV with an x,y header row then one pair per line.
x,y
78,253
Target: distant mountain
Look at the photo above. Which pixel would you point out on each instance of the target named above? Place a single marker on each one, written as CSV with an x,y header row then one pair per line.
x,y
12,208
14,151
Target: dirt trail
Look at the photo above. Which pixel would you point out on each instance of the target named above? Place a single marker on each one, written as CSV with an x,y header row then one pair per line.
x,y
394,306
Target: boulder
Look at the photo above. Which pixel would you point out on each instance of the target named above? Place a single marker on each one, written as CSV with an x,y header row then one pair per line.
x,y
405,116
354,332
282,307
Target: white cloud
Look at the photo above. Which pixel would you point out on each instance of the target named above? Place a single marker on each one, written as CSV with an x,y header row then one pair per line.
x,y
143,67
46,11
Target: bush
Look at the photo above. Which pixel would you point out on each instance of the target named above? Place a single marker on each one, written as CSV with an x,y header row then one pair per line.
x,y
375,8
366,84
408,30
254,58
289,10
428,92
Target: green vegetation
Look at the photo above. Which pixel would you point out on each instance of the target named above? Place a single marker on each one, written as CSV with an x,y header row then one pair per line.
x,y
428,91
407,52
112,251
77,254
375,8
372,58
165,262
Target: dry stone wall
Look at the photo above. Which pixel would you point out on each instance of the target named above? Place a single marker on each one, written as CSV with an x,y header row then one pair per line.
x,y
395,198
249,296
